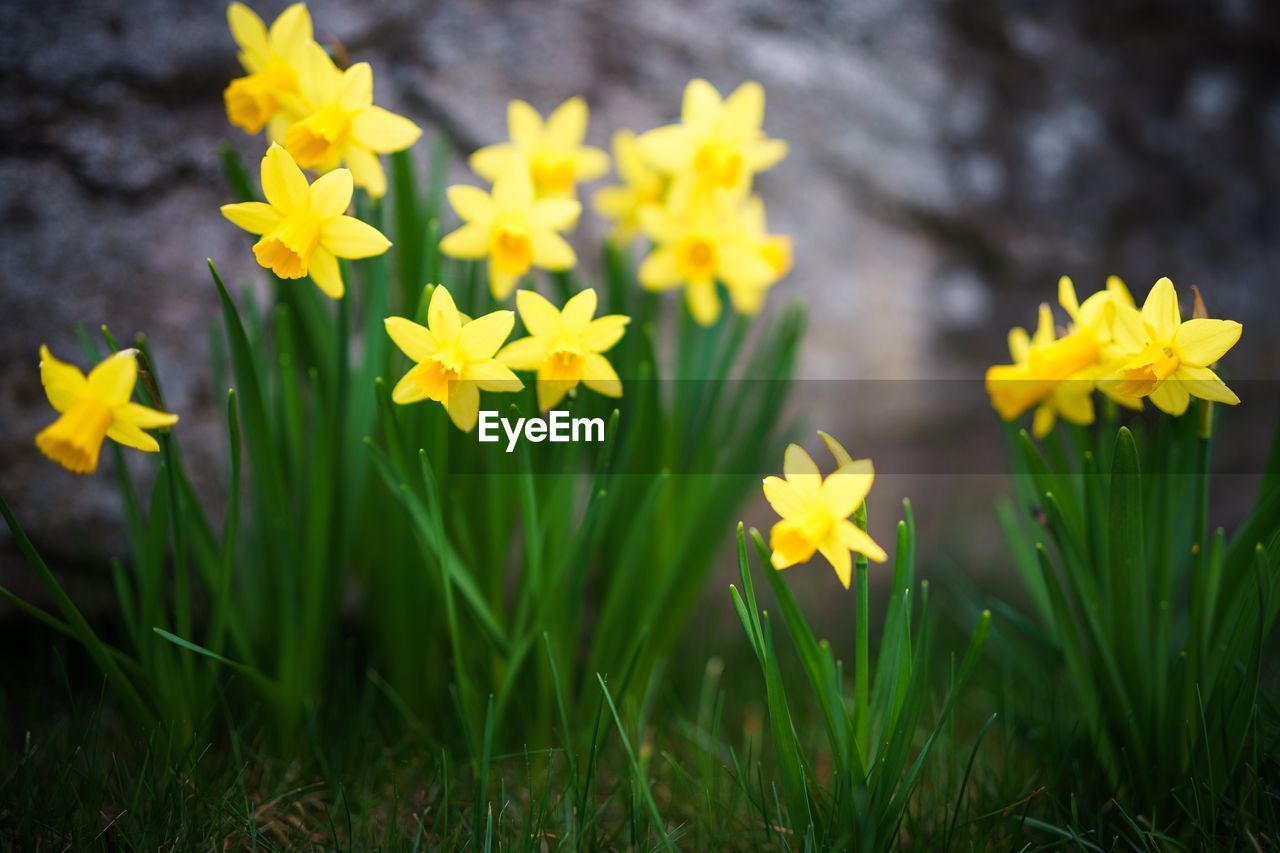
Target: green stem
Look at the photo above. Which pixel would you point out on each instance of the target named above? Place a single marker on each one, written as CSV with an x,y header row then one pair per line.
x,y
862,682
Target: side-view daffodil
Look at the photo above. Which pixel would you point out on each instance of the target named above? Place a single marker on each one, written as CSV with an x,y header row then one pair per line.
x,y
344,126
512,228
642,186
1173,358
719,142
815,512
552,151
564,346
454,358
699,240
304,227
95,408
1072,400
273,59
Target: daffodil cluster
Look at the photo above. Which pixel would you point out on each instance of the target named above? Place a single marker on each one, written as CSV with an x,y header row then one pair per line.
x,y
1112,346
323,115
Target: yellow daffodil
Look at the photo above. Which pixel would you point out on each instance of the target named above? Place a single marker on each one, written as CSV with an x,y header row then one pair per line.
x,y
719,142
701,239
454,358
641,186
273,59
1172,358
343,125
304,229
511,227
565,346
95,408
552,151
1070,399
815,512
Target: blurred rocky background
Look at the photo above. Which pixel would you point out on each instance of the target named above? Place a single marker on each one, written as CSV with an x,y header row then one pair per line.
x,y
949,160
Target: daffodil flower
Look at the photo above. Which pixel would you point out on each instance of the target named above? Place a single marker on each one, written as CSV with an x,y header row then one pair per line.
x,y
552,151
701,239
641,187
1173,358
95,408
815,513
720,142
343,125
273,59
303,227
454,358
564,346
1070,399
512,228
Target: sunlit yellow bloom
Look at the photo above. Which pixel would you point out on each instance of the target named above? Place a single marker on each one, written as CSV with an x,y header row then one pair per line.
x,y
274,60
512,228
565,347
815,512
701,238
343,127
718,141
95,408
1172,358
1072,399
552,151
641,186
454,358
304,229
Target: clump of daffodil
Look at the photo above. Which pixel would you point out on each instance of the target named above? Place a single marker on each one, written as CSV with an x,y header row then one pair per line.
x,y
816,511
454,358
720,143
642,186
95,408
1057,374
343,126
304,227
703,238
274,60
1170,361
553,151
511,227
565,346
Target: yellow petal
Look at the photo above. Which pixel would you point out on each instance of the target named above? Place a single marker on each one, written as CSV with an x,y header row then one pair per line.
x,y
383,131
501,283
838,556
325,272
253,216
539,316
348,237
513,190
786,500
63,383
701,102
669,148
659,270
551,251
589,164
524,354
492,160
331,193
602,333
1019,344
800,471
556,214
856,539
842,456
1127,328
283,183
291,29
470,242
472,204
740,266
492,375
1074,401
113,379
367,170
132,436
1067,297
1204,383
1160,311
410,389
552,391
844,490
598,375
1043,420
567,125
483,336
414,340
763,154
357,87
442,316
248,30
143,417
524,125
464,405
703,301
1171,397
789,545
1202,342
744,109
1119,291
578,311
